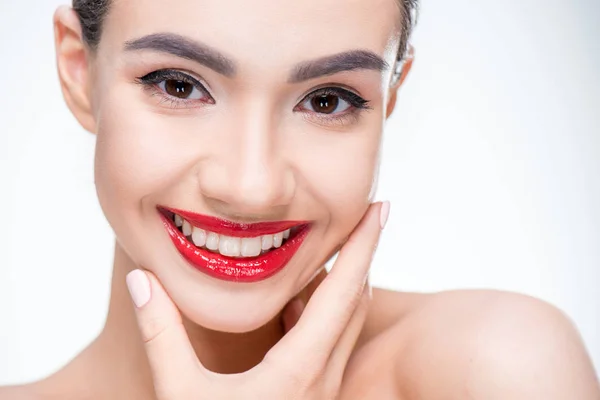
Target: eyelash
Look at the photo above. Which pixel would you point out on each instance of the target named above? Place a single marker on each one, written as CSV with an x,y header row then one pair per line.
x,y
356,103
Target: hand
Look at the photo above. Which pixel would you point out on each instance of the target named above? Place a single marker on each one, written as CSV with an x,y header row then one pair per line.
x,y
307,363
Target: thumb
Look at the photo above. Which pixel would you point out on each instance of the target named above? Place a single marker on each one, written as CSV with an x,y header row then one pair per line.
x,y
167,345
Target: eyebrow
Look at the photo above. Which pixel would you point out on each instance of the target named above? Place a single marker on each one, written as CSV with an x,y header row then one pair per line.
x,y
329,65
183,47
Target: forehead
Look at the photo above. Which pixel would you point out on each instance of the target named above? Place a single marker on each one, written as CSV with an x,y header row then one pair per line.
x,y
261,32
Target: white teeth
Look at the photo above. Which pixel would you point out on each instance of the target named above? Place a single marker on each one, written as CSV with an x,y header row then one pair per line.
x,y
229,246
251,247
212,241
178,221
187,228
277,239
199,236
266,242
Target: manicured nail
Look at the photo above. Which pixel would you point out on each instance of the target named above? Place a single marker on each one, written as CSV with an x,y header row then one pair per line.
x,y
139,287
384,213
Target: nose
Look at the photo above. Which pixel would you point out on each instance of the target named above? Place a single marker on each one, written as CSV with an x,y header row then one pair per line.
x,y
248,173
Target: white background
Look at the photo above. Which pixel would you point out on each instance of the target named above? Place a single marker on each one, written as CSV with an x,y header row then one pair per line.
x,y
491,163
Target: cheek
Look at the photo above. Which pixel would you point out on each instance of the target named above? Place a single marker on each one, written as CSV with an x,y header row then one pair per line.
x,y
132,152
340,170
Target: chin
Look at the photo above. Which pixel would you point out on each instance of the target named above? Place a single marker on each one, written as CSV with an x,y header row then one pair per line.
x,y
236,314
234,323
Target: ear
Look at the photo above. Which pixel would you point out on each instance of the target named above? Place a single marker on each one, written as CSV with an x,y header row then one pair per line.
x,y
73,60
408,60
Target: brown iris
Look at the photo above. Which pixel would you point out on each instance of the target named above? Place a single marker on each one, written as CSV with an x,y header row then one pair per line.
x,y
179,89
325,104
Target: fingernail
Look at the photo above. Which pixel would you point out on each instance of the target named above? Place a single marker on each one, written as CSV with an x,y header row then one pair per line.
x,y
139,287
384,213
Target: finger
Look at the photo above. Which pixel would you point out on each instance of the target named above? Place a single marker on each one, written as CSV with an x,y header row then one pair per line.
x,y
331,306
167,345
347,342
291,314
293,310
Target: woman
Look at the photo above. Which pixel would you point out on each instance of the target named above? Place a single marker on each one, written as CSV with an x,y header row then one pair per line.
x,y
237,150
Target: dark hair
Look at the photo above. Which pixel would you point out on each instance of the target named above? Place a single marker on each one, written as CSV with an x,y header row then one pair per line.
x,y
93,12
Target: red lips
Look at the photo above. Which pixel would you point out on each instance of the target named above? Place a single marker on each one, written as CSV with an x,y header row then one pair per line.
x,y
230,228
246,269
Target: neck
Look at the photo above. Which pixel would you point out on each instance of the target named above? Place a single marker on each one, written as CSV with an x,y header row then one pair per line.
x,y
118,359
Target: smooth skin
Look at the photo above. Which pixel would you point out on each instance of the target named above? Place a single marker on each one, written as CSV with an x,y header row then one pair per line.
x,y
319,339
260,151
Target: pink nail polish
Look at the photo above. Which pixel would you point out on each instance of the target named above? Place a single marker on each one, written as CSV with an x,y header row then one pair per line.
x,y
139,287
384,213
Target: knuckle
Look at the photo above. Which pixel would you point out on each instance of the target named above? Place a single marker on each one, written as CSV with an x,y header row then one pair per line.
x,y
310,377
302,375
332,383
365,298
154,328
350,287
180,391
352,292
332,388
326,387
294,378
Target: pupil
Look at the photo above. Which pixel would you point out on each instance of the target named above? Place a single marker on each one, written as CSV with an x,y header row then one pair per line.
x,y
325,104
179,89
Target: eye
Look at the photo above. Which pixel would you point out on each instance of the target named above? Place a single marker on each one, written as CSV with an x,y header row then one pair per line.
x,y
175,87
334,100
180,89
334,106
327,104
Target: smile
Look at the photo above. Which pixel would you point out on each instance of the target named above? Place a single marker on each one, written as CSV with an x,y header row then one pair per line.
x,y
227,250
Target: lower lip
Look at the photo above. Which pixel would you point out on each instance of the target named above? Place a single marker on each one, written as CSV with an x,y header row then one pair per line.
x,y
250,269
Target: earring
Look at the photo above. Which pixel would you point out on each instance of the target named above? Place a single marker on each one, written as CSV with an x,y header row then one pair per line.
x,y
399,65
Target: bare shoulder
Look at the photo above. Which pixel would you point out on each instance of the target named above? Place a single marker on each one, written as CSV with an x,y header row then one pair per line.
x,y
387,308
477,344
47,388
20,392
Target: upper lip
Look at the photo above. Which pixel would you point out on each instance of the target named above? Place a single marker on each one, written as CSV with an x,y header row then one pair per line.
x,y
231,228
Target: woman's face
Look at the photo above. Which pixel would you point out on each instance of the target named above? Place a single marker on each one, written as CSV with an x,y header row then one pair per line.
x,y
248,137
